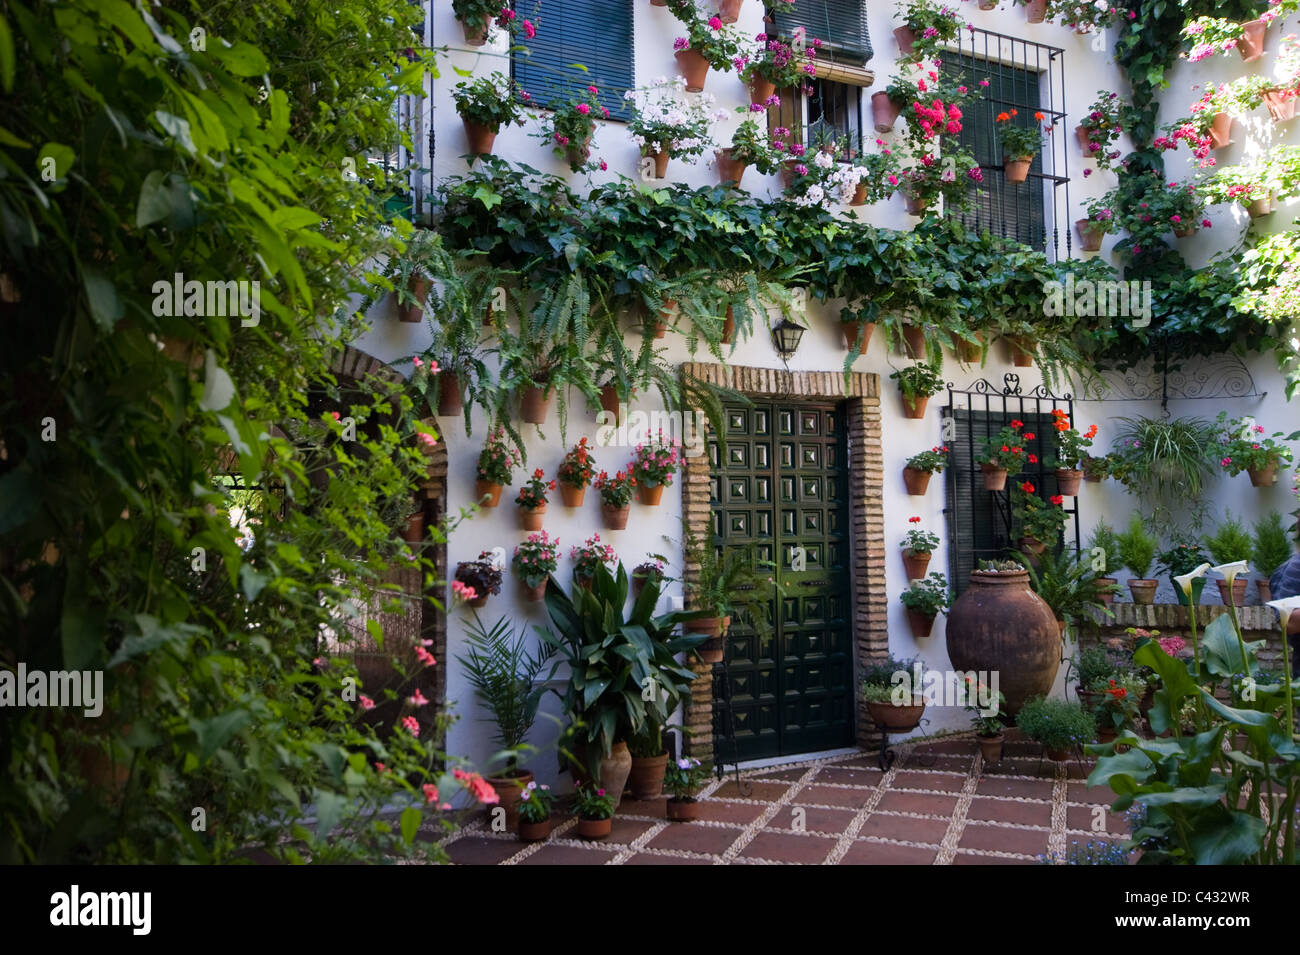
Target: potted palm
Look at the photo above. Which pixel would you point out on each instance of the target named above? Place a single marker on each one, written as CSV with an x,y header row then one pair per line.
x,y
924,599
503,672
575,473
1002,454
535,560
1020,144
496,464
684,778
1229,543
1060,726
916,384
485,105
1137,549
919,467
892,691
595,808
615,498
535,802
918,546
654,463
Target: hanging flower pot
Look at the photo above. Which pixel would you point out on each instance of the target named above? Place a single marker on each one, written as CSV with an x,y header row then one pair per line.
x,y
761,89
988,4
450,404
609,401
857,335
413,533
1281,104
883,111
1032,546
665,317
572,496
535,594
1221,130
1143,591
1035,11
995,478
1022,352
534,401
531,518
916,205
693,67
729,326
1251,44
661,162
418,286
1068,481
970,352
915,565
789,170
916,481
1084,138
906,38
650,496
922,624
1016,170
859,194
729,10
1237,594
486,489
1090,235
914,341
480,137
729,170
915,407
615,517
1263,477
476,33
714,649
1261,207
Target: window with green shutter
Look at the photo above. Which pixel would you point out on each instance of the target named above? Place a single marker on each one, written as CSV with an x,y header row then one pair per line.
x,y
841,25
579,43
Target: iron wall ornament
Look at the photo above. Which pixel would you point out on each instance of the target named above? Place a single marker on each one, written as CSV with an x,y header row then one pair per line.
x,y
1192,379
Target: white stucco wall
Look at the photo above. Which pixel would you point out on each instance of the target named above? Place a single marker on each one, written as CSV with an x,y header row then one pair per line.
x,y
1086,72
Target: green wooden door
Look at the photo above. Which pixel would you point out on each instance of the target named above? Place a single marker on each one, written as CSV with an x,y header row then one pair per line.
x,y
783,488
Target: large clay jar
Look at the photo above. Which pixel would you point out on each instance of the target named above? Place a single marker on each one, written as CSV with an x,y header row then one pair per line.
x,y
614,770
647,778
1000,624
509,789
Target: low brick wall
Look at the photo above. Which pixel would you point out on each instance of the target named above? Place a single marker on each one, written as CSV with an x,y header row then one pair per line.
x,y
1257,623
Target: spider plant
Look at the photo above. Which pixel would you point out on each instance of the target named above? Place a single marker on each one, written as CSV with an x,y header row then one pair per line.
x,y
1162,458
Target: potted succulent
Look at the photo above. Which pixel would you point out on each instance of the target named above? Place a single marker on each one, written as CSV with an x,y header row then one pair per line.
x,y
478,579
892,691
1002,454
1060,726
665,124
595,812
654,464
485,105
1020,144
588,557
749,147
918,546
684,778
575,473
708,43
924,599
986,721
650,570
532,500
1105,545
1039,522
615,498
570,127
535,560
1246,446
916,384
1071,448
535,804
1181,558
1137,549
919,467
1230,543
496,464
1272,549
503,672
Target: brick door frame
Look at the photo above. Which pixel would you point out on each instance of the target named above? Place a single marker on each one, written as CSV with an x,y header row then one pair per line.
x,y
860,393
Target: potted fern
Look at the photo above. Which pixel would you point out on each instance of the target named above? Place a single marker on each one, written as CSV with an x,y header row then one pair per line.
x,y
735,581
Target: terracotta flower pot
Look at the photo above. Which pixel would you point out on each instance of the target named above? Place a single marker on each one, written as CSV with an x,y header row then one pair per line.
x,y
476,34
915,407
922,624
1143,591
1251,44
658,3
609,401
1058,755
884,111
760,89
970,352
995,478
666,313
534,402
661,162
577,154
1221,130
450,404
1068,481
682,810
1017,169
789,171
1265,590
413,533
594,828
991,747
714,649
1263,477
1183,231
1260,207
1102,583
534,831
906,38
615,517
1000,625
583,581
915,565
1238,594
1022,353
419,287
510,789
536,593
729,326
914,341
479,602
1032,546
647,777
487,489
573,496
531,518
859,194
729,10
694,68
857,334
1035,11
650,496
1090,235
1084,138
896,719
1281,105
729,170
916,206
480,137
916,481
988,4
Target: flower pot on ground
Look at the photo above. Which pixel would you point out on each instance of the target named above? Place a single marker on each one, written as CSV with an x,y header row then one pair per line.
x,y
1090,235
594,828
1068,481
1251,43
1016,169
729,170
534,831
995,478
646,779
991,747
612,779
1237,595
884,111
1060,726
509,789
418,287
534,402
682,810
694,69
683,780
857,335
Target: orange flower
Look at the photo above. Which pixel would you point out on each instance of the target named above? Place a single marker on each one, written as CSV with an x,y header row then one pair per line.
x,y
1027,488
1092,432
1003,117
1040,116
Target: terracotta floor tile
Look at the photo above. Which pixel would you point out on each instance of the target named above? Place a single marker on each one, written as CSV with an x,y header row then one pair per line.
x,y
921,803
743,814
1004,839
882,853
931,781
1006,810
815,819
691,837
781,775
783,847
970,858
478,850
646,858
569,855
904,828
1080,792
950,764
959,747
622,830
1026,788
768,792
832,796
850,775
1084,819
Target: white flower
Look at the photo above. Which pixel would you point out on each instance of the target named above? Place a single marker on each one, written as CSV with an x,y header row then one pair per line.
x,y
1230,571
1285,607
823,160
1185,581
1102,5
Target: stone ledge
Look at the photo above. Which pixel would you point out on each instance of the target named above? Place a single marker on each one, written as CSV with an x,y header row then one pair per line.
x,y
1178,617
